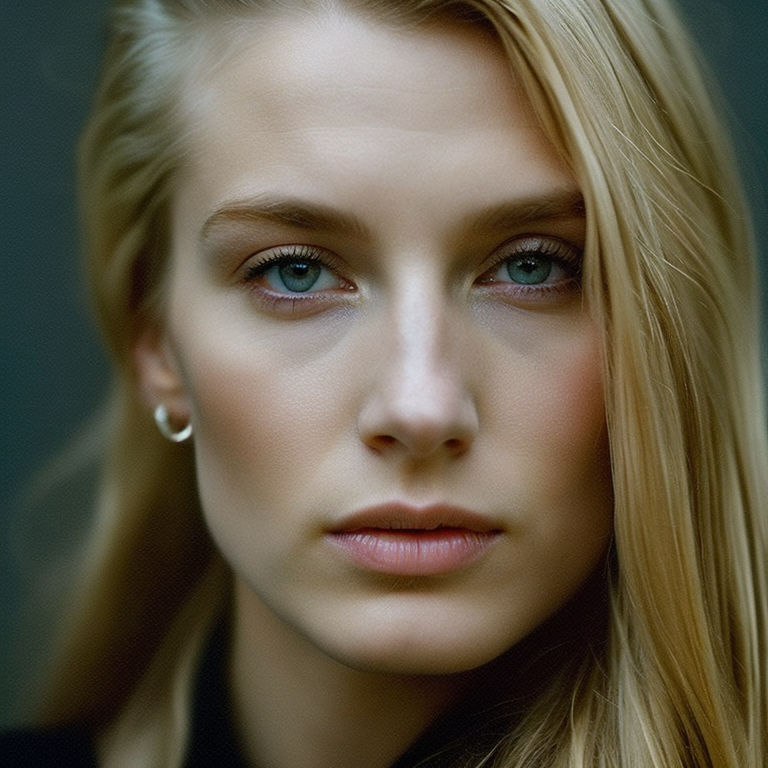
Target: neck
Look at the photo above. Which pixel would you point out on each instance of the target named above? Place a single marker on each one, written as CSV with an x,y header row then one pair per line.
x,y
295,707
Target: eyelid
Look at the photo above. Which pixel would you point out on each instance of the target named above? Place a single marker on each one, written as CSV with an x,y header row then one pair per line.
x,y
565,256
568,254
262,260
290,303
259,263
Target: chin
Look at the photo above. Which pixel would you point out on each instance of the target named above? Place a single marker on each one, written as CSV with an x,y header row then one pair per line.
x,y
440,639
420,652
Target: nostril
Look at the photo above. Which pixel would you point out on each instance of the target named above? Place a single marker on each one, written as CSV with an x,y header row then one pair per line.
x,y
456,446
381,442
384,443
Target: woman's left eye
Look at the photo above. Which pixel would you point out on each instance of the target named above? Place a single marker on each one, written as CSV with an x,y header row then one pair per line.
x,y
293,271
533,263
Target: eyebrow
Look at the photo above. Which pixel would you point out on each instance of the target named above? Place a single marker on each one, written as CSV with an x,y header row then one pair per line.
x,y
290,212
315,217
560,204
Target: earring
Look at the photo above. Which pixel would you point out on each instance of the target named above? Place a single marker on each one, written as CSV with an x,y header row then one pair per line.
x,y
164,425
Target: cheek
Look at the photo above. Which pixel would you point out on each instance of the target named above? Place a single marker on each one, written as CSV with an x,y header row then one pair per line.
x,y
546,395
574,431
551,421
573,413
263,410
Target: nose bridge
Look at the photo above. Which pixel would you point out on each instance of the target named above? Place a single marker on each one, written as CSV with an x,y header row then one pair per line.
x,y
420,400
421,369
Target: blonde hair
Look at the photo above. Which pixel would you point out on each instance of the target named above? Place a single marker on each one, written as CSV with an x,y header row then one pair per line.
x,y
679,679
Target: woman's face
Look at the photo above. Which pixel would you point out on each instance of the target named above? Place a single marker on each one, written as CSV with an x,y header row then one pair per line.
x,y
375,325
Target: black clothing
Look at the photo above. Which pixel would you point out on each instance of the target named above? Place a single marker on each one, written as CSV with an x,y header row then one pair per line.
x,y
57,748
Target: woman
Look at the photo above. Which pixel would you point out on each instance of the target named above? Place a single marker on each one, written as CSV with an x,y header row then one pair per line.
x,y
452,307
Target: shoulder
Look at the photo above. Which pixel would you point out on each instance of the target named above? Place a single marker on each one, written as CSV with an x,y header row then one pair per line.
x,y
64,747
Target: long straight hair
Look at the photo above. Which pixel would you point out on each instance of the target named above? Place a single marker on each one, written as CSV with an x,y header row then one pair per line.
x,y
669,275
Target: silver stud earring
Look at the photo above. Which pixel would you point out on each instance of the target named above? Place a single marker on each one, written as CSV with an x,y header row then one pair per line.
x,y
164,425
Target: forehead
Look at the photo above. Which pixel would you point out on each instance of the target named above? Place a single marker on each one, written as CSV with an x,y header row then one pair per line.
x,y
341,109
261,61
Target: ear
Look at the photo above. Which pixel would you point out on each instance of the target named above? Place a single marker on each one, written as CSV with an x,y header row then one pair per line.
x,y
158,373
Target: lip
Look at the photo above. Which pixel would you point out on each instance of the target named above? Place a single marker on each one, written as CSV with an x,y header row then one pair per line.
x,y
405,540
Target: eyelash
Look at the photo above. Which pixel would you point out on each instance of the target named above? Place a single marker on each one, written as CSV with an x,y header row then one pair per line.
x,y
560,254
298,254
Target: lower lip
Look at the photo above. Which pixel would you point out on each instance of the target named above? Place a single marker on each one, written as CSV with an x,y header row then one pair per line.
x,y
406,552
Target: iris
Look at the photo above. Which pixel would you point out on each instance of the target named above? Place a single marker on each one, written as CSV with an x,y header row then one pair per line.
x,y
299,276
529,269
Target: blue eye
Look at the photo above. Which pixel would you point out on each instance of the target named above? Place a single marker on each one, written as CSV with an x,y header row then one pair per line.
x,y
297,276
294,270
531,269
535,262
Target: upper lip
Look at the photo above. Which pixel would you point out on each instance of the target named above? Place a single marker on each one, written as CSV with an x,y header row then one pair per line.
x,y
404,516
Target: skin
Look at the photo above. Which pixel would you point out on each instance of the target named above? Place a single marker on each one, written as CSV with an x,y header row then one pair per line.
x,y
417,372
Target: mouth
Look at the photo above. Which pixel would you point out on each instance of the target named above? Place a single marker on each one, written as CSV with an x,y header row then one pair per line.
x,y
404,540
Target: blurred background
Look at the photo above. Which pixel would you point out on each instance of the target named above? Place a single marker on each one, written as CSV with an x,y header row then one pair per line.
x,y
53,372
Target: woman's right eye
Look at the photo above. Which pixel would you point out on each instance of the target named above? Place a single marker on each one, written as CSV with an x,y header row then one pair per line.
x,y
294,271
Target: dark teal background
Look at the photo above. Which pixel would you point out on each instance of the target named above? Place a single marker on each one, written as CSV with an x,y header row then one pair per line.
x,y
53,371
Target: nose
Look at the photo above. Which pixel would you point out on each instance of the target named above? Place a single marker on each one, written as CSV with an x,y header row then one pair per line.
x,y
419,404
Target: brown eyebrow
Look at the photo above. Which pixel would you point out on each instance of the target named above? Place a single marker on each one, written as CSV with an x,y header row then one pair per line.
x,y
294,213
315,217
563,204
